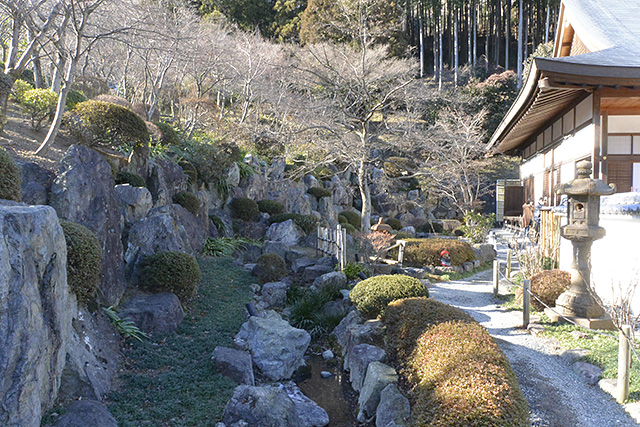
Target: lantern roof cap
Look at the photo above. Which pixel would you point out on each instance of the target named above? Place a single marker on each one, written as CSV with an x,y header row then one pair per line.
x,y
584,185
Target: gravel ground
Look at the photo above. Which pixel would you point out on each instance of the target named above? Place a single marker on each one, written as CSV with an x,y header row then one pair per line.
x,y
557,396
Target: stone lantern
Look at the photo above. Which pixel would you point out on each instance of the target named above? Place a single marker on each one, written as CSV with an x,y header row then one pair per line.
x,y
583,214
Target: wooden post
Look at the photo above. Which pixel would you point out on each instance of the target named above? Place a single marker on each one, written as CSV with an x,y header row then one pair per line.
x,y
344,248
526,302
318,240
496,276
509,264
624,356
401,253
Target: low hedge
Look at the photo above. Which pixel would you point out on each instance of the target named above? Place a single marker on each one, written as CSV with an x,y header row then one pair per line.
x,y
422,252
371,296
174,272
271,207
546,285
456,374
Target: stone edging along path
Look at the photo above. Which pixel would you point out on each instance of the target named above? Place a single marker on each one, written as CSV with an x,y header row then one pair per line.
x,y
556,395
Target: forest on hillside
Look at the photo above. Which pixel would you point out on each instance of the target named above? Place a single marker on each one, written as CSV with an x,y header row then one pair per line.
x,y
349,83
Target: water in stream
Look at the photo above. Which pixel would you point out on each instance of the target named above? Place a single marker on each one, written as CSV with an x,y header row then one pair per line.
x,y
333,394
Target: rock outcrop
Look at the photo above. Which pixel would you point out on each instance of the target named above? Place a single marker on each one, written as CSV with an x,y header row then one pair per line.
x,y
84,193
261,406
36,307
83,413
234,364
154,314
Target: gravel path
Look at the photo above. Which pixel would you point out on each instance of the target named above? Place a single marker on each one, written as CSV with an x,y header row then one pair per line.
x,y
557,396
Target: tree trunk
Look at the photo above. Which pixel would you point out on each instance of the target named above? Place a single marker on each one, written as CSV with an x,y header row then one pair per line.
x,y
520,23
546,27
475,32
365,194
507,32
469,39
421,38
440,52
57,120
455,47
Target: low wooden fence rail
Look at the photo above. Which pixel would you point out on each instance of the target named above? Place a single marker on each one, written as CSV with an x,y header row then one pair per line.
x,y
333,242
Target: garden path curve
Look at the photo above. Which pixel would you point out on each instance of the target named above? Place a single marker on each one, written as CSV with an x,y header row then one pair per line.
x,y
557,396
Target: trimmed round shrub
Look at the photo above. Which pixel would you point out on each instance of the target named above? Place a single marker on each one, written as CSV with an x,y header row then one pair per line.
x,y
133,179
342,219
40,104
187,200
546,285
169,136
244,208
394,223
107,124
84,259
350,228
307,223
319,192
431,227
353,218
270,268
422,252
271,207
112,99
10,178
456,373
74,97
371,296
174,272
18,90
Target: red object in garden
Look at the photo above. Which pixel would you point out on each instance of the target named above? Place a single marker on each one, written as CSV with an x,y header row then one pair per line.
x,y
445,258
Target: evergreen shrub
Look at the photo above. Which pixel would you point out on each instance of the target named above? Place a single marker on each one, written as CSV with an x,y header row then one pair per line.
x,y
10,178
319,192
271,207
133,179
97,123
546,285
307,223
371,296
352,217
270,268
39,104
422,252
18,90
74,97
170,136
394,223
350,228
84,259
244,208
456,373
342,219
187,200
174,272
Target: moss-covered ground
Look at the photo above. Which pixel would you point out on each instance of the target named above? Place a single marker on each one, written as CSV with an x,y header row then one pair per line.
x,y
171,380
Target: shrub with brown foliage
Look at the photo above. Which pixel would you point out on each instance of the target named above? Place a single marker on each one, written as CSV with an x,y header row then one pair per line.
x,y
421,252
546,285
455,372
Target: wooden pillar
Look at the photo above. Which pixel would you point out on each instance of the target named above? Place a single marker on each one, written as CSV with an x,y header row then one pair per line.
x,y
595,155
526,302
624,358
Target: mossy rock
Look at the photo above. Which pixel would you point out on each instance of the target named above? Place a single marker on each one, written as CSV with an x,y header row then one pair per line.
x,y
174,272
187,200
271,207
352,217
371,296
133,179
84,260
319,192
10,178
270,268
244,208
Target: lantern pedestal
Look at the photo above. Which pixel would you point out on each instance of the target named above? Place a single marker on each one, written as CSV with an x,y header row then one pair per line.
x,y
578,302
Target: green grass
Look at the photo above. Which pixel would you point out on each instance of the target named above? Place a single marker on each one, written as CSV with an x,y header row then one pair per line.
x,y
603,352
171,380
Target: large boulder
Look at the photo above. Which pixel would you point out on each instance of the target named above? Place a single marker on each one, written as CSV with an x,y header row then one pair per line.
x,y
275,294
92,357
167,228
154,314
261,406
36,309
83,413
394,409
286,232
234,364
232,175
336,279
378,377
485,253
166,179
84,193
309,412
135,203
360,358
352,331
277,347
35,183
